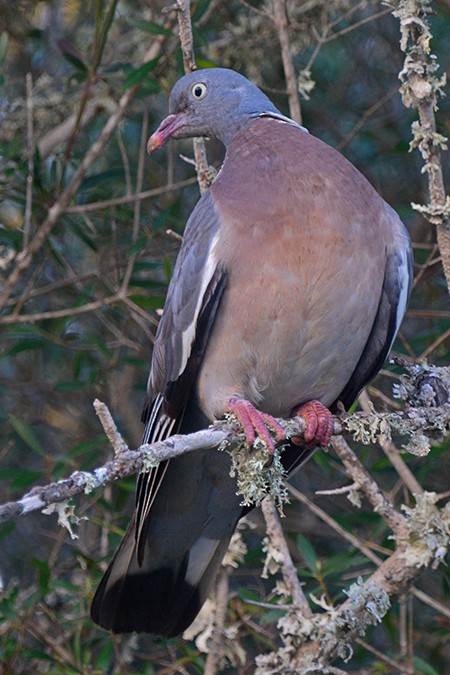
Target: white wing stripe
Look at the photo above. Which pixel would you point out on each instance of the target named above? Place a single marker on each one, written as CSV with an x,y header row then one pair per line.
x,y
188,335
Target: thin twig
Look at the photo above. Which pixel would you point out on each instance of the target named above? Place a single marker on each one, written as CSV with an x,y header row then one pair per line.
x,y
59,313
281,22
323,515
109,427
380,655
187,48
30,153
137,204
393,454
278,541
368,486
128,199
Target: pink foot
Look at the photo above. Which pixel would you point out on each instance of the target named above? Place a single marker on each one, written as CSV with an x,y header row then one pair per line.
x,y
319,422
254,422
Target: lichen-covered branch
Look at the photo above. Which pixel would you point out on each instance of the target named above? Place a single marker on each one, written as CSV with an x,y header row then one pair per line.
x,y
278,542
311,640
425,385
421,89
309,646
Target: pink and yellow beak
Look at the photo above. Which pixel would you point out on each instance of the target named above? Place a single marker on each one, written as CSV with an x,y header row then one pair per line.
x,y
168,127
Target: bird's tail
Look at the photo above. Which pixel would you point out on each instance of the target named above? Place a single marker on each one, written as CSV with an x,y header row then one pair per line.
x,y
161,588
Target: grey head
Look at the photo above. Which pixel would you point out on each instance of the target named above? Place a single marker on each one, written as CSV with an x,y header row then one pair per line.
x,y
211,102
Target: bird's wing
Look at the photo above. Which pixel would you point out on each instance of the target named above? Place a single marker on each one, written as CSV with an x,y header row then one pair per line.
x,y
193,298
396,289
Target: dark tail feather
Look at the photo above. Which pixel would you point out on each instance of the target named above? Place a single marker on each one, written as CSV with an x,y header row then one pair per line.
x,y
182,543
187,534
161,601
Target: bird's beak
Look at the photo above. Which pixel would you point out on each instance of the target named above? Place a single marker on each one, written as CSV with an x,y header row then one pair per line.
x,y
168,127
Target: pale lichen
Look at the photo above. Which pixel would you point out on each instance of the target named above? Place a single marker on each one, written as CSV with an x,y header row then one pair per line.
x,y
274,559
258,474
367,604
427,531
202,632
366,597
66,515
426,392
236,551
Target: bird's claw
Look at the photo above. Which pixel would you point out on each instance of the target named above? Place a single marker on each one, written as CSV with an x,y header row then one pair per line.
x,y
256,423
319,423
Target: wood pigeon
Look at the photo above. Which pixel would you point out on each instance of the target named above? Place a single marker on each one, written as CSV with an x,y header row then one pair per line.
x,y
287,294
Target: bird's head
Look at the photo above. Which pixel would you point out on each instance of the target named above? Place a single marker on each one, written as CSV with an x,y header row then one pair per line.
x,y
212,102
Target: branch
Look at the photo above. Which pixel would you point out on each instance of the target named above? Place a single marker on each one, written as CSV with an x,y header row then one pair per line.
x,y
281,21
279,543
310,640
227,434
421,90
126,463
311,646
183,7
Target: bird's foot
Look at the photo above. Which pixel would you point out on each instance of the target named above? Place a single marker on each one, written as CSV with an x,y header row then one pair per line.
x,y
319,423
254,422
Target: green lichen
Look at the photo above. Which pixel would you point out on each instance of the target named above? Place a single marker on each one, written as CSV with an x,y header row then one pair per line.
x,y
259,474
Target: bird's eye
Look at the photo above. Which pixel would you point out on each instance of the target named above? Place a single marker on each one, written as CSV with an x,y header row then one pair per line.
x,y
199,90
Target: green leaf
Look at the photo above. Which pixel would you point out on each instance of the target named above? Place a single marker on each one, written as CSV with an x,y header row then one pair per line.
x,y
308,553
26,345
150,27
20,478
4,38
6,529
422,666
27,434
72,55
140,73
205,63
44,574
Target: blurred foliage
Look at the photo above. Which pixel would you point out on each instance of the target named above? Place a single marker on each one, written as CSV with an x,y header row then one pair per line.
x,y
59,352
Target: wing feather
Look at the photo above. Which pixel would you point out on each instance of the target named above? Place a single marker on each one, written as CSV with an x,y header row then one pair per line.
x,y
394,297
192,302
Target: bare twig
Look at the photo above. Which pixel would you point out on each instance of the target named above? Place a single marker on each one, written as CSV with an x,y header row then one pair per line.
x,y
109,427
345,534
281,22
368,486
127,199
381,656
62,131
187,48
30,153
59,313
137,204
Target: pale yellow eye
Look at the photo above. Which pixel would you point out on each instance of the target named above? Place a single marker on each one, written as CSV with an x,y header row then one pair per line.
x,y
199,90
